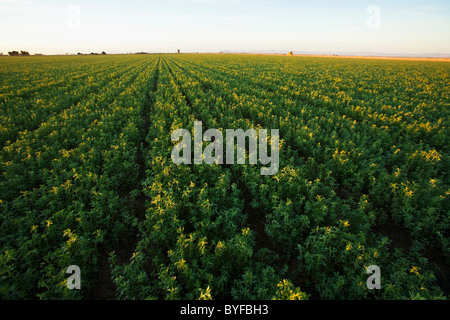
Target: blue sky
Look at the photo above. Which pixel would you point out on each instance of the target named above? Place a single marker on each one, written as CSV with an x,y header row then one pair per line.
x,y
395,26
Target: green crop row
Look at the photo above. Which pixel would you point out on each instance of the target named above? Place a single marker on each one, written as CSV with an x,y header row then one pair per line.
x,y
88,180
61,188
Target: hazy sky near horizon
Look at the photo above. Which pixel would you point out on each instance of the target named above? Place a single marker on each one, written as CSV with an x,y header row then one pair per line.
x,y
394,26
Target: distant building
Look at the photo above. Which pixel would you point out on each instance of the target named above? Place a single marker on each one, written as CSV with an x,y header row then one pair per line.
x,y
290,53
179,51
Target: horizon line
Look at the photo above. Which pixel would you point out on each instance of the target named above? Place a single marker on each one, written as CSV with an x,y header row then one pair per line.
x,y
262,52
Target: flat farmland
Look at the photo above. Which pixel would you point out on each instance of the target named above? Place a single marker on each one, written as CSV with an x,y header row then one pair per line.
x,y
87,178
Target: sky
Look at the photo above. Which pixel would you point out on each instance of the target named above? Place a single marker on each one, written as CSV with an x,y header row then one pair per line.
x,y
380,26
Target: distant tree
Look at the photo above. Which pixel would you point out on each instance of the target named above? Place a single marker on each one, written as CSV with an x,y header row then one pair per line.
x,y
1,53
79,53
103,52
13,53
24,53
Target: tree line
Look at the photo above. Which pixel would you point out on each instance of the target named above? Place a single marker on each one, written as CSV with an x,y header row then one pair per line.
x,y
17,53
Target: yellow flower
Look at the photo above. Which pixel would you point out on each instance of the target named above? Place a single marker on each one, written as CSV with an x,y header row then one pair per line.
x,y
287,291
345,223
220,245
415,270
205,295
72,239
67,232
134,255
181,264
172,290
49,223
408,192
202,243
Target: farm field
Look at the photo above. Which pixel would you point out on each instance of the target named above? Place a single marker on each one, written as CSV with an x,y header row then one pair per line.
x,y
87,178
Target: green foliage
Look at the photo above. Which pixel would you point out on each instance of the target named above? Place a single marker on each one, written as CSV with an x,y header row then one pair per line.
x,y
87,171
